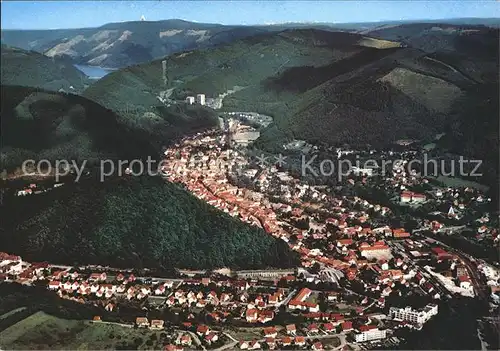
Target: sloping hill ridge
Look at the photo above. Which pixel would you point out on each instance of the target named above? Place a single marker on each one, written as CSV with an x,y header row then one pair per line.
x,y
473,50
127,43
57,126
334,87
123,44
32,69
135,222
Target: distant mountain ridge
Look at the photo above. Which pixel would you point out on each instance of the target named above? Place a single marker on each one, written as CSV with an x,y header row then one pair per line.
x,y
123,44
116,45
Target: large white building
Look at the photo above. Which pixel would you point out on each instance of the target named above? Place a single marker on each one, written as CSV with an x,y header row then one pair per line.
x,y
369,333
190,100
414,316
200,99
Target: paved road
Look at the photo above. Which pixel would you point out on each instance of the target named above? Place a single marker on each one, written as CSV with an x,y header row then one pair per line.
x,y
479,287
231,345
196,339
285,301
442,289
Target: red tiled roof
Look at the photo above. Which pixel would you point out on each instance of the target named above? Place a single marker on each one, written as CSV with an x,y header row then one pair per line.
x,y
365,328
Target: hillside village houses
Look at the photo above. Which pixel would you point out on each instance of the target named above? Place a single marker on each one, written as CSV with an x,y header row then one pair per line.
x,y
216,190
98,288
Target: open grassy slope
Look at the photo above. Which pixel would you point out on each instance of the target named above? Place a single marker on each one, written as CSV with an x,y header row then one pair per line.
x,y
33,318
32,69
45,332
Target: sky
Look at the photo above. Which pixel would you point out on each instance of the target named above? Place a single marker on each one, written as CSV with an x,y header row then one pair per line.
x,y
79,14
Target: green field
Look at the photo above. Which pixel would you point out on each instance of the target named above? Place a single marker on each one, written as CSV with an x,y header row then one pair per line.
x,y
43,331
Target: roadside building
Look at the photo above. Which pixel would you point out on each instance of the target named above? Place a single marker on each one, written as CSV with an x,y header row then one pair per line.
x,y
369,333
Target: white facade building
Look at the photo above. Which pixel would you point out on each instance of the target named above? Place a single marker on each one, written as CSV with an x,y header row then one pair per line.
x,y
190,100
370,334
200,99
414,316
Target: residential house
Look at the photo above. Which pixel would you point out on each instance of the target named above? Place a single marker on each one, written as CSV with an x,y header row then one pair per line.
x,y
202,330
317,346
244,345
328,327
211,337
54,285
346,326
270,332
157,324
97,277
291,329
254,345
286,341
266,316
142,322
185,340
271,343
252,315
300,341
313,328
465,282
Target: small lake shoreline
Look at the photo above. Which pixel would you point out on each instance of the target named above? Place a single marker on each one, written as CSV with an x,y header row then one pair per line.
x,y
94,72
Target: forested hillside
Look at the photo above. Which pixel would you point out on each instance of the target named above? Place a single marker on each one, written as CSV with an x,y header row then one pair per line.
x,y
32,69
135,222
58,126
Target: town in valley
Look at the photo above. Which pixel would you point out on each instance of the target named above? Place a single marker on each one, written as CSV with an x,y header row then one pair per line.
x,y
250,175
363,281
